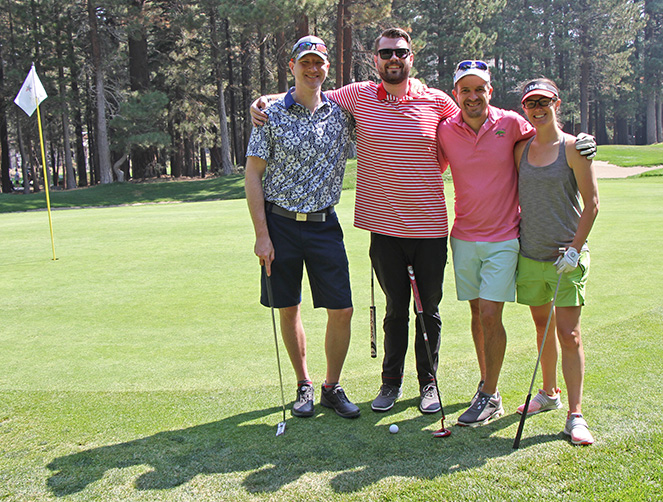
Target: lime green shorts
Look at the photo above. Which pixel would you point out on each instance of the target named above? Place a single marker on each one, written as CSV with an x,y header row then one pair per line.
x,y
536,281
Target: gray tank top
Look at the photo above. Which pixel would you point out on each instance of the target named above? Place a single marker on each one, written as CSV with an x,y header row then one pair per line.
x,y
549,206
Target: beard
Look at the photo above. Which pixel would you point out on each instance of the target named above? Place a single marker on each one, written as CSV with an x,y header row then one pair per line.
x,y
394,78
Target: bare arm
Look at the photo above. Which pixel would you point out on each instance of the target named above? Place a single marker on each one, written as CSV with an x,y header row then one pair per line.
x,y
255,198
583,171
258,117
518,152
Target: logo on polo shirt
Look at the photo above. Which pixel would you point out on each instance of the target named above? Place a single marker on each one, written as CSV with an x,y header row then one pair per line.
x,y
500,133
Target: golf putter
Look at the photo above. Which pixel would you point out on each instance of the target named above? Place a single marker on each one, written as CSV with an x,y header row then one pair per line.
x,y
523,417
443,432
374,349
280,428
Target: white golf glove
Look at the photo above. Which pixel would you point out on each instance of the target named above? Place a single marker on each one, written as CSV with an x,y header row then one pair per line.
x,y
568,261
586,145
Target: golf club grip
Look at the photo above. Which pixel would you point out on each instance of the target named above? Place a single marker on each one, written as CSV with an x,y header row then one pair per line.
x,y
521,425
374,348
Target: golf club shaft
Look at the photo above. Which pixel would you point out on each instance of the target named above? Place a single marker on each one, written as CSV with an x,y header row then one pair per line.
x,y
374,348
523,417
420,316
270,296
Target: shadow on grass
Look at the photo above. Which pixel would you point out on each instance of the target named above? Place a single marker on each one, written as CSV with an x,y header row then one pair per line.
x,y
360,451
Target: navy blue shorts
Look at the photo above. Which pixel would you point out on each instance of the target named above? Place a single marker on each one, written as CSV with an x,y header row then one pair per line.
x,y
320,246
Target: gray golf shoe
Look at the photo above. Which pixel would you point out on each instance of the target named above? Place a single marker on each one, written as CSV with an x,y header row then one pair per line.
x,y
484,408
476,394
429,402
303,406
386,397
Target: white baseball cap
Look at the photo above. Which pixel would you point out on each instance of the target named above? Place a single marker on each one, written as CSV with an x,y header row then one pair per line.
x,y
309,45
470,67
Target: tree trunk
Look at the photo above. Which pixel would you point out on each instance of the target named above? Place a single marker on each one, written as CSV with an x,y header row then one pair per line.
x,y
103,147
231,96
652,83
585,69
77,117
93,153
7,185
601,128
262,57
343,44
347,44
69,174
650,99
225,160
302,28
282,54
139,80
659,117
119,173
25,162
54,175
203,162
340,33
247,44
621,130
33,164
188,156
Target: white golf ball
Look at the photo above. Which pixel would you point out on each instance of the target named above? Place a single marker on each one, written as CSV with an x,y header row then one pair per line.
x,y
393,428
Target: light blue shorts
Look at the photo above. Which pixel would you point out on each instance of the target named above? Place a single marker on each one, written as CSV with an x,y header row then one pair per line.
x,y
485,270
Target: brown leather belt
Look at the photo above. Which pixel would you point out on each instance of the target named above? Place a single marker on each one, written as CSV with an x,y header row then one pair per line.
x,y
318,216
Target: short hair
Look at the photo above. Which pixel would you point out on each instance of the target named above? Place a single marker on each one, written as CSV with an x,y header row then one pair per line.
x,y
393,33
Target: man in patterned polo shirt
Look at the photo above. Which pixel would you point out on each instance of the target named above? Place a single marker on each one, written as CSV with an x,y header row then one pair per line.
x,y
301,155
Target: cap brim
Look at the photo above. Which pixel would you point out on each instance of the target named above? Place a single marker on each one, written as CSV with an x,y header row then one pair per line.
x,y
483,74
317,53
538,92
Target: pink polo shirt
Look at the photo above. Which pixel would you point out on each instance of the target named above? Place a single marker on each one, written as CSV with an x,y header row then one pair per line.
x,y
484,173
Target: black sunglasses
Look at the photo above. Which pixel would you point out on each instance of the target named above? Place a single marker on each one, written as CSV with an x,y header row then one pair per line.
x,y
387,53
542,102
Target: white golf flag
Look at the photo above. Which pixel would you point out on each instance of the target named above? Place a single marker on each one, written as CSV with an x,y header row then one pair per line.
x,y
31,94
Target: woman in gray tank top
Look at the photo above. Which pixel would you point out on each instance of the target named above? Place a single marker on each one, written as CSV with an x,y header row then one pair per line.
x,y
553,181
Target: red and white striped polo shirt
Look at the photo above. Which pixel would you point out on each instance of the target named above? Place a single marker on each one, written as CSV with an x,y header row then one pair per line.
x,y
400,191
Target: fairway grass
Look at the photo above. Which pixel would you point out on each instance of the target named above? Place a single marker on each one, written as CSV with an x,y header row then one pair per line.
x,y
629,155
139,366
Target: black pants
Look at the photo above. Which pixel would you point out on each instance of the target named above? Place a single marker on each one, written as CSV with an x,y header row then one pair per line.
x,y
390,257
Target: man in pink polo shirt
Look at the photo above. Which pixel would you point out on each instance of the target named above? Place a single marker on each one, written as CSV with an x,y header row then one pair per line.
x,y
477,143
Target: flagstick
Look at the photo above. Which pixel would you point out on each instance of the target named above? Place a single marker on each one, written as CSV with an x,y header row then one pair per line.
x,y
48,199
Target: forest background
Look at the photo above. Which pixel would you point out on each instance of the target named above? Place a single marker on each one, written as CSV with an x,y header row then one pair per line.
x,y
141,89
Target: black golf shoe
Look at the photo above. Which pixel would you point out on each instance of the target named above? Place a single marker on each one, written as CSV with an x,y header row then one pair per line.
x,y
336,399
303,406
